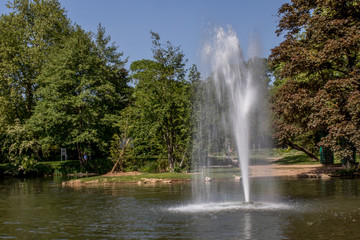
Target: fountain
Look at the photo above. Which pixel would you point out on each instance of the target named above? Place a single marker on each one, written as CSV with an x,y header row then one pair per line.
x,y
226,110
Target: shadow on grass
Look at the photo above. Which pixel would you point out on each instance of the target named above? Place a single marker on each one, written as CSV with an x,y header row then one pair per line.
x,y
259,161
295,159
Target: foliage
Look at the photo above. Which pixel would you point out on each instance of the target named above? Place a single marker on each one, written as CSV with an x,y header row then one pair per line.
x,y
150,167
59,86
63,87
120,152
160,116
25,42
317,76
32,168
80,96
350,172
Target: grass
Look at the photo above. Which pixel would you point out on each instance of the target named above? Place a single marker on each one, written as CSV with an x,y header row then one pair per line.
x,y
215,173
299,159
285,157
293,156
136,178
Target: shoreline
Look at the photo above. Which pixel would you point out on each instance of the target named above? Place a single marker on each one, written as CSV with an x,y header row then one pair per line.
x,y
269,170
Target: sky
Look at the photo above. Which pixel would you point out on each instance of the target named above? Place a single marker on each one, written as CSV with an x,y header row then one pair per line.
x,y
184,23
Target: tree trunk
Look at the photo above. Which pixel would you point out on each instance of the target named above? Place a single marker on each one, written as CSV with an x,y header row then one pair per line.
x,y
114,167
169,148
79,154
120,160
306,151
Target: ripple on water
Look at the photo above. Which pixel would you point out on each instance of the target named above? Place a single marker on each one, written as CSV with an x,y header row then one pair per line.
x,y
229,206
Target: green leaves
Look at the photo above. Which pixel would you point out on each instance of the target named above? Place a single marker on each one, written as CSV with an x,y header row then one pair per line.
x,y
59,85
79,87
160,115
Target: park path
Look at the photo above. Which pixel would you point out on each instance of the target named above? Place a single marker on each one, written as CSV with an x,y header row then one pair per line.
x,y
287,170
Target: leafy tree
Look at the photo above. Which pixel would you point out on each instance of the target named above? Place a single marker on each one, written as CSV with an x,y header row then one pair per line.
x,y
83,88
59,86
161,113
27,35
317,70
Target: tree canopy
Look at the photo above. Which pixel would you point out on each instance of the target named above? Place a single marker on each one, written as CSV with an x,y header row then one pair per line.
x,y
161,113
60,86
316,92
64,87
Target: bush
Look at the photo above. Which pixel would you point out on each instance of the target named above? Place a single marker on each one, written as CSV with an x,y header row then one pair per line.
x,y
8,169
163,164
65,167
346,173
100,165
31,168
177,168
150,167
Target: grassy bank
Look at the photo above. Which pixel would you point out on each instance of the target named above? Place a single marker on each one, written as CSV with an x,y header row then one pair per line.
x,y
137,177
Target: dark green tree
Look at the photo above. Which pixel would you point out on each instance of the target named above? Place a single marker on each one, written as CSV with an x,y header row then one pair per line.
x,y
82,89
27,35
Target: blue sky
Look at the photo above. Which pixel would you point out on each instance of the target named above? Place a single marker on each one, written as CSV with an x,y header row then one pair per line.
x,y
182,22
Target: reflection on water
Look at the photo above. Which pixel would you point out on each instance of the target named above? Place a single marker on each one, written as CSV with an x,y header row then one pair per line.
x,y
305,209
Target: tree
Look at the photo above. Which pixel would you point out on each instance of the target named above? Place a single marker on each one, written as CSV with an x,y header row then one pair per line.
x,y
27,35
317,76
25,42
82,89
161,113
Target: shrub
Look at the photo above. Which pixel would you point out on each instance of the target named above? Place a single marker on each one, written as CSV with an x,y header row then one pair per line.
x,y
150,167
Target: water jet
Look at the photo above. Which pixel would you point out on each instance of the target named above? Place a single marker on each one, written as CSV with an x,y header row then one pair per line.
x,y
226,113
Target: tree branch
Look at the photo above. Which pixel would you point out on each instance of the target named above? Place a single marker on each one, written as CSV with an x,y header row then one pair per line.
x,y
306,151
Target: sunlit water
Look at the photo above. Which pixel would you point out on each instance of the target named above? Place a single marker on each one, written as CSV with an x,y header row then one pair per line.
x,y
229,206
304,209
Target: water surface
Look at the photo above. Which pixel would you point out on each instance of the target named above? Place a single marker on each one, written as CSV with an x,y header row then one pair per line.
x,y
295,209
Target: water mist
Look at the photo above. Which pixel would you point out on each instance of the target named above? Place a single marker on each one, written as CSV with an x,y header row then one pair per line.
x,y
227,107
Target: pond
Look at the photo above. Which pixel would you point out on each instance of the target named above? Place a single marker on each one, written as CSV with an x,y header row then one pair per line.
x,y
302,209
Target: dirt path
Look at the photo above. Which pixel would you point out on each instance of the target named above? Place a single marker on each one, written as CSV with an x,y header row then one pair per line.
x,y
289,170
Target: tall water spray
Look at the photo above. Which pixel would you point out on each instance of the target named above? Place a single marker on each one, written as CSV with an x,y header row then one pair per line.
x,y
233,86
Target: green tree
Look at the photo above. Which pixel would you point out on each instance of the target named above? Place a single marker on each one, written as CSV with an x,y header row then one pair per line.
x,y
27,35
82,89
317,76
160,116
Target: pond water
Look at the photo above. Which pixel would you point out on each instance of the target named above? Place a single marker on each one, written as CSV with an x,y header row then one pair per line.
x,y
302,209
